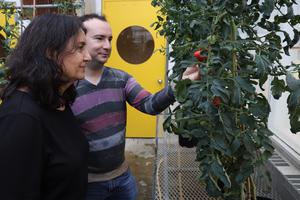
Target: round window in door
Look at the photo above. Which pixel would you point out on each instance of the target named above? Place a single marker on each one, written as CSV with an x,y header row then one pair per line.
x,y
135,44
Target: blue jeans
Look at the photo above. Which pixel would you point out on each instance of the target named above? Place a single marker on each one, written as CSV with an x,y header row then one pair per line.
x,y
121,188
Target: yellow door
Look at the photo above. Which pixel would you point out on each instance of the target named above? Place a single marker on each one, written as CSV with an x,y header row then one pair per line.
x,y
134,50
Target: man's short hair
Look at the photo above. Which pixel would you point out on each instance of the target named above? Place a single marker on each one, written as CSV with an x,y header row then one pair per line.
x,y
92,16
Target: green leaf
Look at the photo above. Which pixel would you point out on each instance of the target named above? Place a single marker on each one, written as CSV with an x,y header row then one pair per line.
x,y
267,144
226,48
293,99
266,155
198,133
295,20
286,50
194,23
286,37
218,171
292,82
219,142
212,187
275,41
156,25
260,108
262,79
295,39
265,132
244,174
262,63
248,120
267,8
218,89
249,142
160,18
203,142
227,121
245,84
277,87
167,123
235,145
290,12
181,90
280,19
294,119
237,95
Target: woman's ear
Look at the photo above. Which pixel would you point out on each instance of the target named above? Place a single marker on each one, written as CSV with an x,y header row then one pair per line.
x,y
50,54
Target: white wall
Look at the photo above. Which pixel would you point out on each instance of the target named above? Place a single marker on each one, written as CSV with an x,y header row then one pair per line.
x,y
16,1
92,6
278,120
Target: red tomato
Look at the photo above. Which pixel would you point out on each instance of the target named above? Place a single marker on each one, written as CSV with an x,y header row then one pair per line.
x,y
217,101
198,55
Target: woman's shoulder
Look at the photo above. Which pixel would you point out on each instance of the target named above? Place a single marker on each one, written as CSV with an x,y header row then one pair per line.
x,y
20,103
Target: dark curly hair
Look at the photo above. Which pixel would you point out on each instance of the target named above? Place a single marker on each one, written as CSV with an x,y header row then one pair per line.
x,y
34,63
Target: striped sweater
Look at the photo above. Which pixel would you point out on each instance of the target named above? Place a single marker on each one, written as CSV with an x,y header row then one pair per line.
x,y
101,112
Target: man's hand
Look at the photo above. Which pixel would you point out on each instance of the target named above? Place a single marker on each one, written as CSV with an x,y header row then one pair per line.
x,y
191,73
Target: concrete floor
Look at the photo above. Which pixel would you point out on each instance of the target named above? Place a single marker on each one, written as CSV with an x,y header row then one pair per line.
x,y
140,153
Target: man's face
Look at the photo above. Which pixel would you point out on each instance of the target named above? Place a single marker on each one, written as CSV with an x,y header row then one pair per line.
x,y
98,39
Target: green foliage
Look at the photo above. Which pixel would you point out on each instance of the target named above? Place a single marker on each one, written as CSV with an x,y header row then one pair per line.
x,y
244,41
67,6
9,31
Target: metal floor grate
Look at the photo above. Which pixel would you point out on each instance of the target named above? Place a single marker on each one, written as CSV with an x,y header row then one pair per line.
x,y
177,172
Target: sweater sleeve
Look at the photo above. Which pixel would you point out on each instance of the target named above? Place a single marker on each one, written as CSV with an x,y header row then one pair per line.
x,y
146,102
20,157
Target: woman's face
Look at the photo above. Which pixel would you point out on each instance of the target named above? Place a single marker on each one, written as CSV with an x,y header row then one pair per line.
x,y
74,58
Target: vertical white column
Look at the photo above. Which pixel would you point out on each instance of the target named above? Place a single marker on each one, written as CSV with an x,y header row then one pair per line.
x,y
98,7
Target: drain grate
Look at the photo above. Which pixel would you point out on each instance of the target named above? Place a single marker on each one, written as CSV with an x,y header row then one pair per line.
x,y
177,172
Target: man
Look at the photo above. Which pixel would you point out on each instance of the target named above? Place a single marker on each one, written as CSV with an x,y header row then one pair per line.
x,y
101,110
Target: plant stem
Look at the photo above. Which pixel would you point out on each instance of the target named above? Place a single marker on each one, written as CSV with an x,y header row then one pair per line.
x,y
248,189
233,39
234,57
242,195
253,190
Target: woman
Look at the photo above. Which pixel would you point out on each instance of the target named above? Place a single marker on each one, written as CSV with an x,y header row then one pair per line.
x,y
43,155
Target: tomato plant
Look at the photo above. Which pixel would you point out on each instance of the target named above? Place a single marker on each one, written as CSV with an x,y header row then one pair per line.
x,y
226,110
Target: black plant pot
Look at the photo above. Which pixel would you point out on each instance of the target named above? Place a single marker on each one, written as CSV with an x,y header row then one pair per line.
x,y
262,198
187,142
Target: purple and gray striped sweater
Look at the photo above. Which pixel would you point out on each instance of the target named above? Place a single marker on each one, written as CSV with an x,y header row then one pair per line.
x,y
101,112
